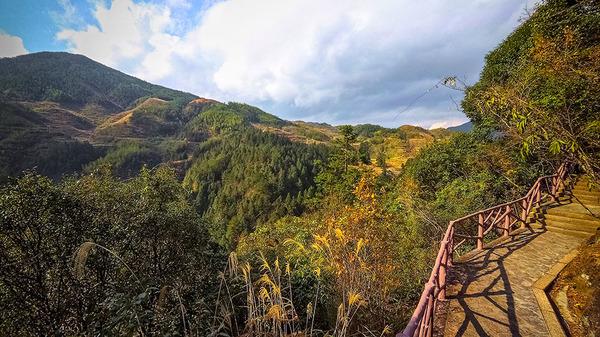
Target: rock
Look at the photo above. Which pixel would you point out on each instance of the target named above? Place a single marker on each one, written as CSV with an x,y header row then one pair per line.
x,y
562,302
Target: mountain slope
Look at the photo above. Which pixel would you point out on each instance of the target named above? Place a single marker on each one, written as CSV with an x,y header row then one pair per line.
x,y
466,127
64,113
57,110
75,80
53,104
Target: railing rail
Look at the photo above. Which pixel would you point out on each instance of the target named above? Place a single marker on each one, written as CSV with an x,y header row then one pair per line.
x,y
504,218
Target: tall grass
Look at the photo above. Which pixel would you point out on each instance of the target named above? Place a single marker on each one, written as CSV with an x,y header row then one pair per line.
x,y
268,308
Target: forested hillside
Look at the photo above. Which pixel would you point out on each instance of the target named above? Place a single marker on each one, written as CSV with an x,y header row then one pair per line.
x,y
185,216
541,85
66,114
75,79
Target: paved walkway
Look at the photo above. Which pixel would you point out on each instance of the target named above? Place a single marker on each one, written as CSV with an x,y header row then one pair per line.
x,y
491,294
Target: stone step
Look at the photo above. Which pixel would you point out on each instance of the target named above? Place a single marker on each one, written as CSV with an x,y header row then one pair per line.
x,y
563,231
570,225
569,232
562,217
585,199
585,189
585,194
585,185
576,210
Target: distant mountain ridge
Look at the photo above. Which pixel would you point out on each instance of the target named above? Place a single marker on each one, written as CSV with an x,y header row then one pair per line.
x,y
75,79
61,111
465,127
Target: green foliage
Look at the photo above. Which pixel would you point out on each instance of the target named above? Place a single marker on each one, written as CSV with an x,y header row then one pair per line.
x,y
336,178
467,172
26,143
540,86
68,78
382,158
364,153
127,158
366,247
348,134
367,130
232,116
147,254
245,178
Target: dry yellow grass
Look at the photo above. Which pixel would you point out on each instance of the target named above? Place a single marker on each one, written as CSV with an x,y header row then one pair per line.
x,y
125,116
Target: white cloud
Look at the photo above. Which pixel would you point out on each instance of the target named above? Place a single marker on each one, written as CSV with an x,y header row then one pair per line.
x,y
126,32
11,46
337,60
68,16
447,123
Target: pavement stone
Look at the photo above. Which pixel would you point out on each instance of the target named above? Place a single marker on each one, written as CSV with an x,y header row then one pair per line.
x,y
491,293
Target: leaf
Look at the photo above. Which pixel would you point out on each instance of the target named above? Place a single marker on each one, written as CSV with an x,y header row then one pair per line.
x,y
555,147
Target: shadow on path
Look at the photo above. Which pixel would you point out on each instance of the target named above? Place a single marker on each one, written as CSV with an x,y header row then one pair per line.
x,y
486,264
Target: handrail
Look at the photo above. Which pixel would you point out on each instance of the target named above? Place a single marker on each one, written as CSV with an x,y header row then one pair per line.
x,y
503,218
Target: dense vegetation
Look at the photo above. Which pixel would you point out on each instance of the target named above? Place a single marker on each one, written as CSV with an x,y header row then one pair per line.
x,y
542,85
100,256
233,223
75,79
244,179
25,143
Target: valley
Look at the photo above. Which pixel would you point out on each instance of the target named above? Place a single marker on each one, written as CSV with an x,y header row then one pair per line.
x,y
131,209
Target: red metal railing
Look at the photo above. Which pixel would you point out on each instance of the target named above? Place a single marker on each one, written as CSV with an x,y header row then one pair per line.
x,y
477,228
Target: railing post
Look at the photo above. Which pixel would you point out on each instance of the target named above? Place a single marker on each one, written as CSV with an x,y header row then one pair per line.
x,y
554,188
451,246
431,306
480,232
524,213
442,273
507,221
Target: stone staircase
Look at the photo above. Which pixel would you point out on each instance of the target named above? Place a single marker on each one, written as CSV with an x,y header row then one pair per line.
x,y
489,291
578,212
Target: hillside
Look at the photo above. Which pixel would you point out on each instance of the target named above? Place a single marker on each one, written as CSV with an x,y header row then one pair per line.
x,y
69,107
64,114
466,127
76,81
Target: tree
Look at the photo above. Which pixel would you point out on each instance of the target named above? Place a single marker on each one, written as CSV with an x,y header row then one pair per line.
x,y
139,248
364,152
381,158
345,145
541,86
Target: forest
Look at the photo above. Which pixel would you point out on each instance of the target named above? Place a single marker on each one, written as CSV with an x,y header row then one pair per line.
x,y
195,219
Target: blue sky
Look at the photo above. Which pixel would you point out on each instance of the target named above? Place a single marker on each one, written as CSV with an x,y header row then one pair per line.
x,y
336,61
30,20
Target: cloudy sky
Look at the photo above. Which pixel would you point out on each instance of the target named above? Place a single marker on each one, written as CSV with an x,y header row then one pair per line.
x,y
334,61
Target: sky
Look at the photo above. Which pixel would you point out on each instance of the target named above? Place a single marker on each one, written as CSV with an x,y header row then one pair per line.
x,y
332,61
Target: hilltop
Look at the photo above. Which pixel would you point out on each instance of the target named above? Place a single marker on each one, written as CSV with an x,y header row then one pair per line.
x,y
61,112
156,212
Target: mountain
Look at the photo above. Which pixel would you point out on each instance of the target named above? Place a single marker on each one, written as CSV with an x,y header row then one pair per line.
x,y
63,112
78,82
466,127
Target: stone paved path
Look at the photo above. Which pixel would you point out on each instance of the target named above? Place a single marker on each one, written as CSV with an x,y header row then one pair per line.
x,y
491,294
